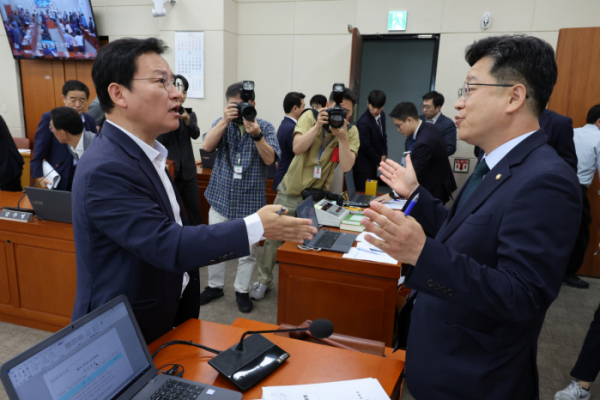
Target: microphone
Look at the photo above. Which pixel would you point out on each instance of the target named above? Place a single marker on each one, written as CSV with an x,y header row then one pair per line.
x,y
18,207
255,357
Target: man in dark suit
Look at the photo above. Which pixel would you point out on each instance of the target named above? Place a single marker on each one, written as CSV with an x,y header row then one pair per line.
x,y
559,131
11,161
46,147
432,113
179,146
293,106
373,140
131,234
67,127
428,151
484,272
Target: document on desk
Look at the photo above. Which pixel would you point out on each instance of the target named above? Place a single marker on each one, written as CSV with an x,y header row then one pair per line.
x,y
395,204
357,389
366,252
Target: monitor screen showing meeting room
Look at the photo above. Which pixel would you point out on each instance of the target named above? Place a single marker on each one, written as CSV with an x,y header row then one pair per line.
x,y
57,29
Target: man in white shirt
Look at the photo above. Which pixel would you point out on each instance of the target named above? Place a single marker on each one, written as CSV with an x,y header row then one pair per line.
x,y
131,233
67,127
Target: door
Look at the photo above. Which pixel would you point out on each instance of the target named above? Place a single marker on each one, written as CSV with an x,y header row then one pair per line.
x,y
355,68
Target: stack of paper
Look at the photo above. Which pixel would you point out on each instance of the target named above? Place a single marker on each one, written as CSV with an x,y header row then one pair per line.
x,y
364,251
395,204
358,389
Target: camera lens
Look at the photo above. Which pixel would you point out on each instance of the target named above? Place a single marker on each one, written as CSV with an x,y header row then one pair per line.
x,y
249,112
336,120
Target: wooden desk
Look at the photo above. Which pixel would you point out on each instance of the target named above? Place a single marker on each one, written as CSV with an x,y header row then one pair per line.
x,y
359,297
308,362
37,270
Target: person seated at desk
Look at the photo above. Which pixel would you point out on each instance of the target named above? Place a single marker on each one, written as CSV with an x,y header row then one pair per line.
x,y
11,161
67,127
131,234
46,147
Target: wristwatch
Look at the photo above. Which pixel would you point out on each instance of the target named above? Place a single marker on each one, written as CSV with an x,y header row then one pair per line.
x,y
257,138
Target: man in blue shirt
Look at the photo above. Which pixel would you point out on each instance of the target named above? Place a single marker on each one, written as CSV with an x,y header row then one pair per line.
x,y
237,184
293,106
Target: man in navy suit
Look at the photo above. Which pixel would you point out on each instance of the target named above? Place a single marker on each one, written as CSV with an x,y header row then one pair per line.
x,y
485,271
432,113
293,106
428,152
131,233
46,147
373,140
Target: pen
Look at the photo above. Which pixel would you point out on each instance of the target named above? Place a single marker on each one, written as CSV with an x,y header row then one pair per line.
x,y
283,209
411,206
596,253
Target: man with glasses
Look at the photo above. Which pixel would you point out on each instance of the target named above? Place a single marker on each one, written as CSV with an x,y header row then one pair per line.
x,y
131,234
46,147
485,271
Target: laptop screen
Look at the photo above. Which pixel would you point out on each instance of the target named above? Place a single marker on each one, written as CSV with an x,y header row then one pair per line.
x,y
350,185
98,360
306,209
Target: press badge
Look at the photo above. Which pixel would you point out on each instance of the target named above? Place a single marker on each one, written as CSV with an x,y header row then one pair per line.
x,y
237,172
317,172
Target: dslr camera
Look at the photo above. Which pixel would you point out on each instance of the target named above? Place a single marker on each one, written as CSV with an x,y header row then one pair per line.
x,y
245,109
337,114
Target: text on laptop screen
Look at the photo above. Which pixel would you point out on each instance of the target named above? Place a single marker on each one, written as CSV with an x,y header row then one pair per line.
x,y
89,363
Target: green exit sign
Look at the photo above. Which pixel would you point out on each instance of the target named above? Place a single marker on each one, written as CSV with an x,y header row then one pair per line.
x,y
397,21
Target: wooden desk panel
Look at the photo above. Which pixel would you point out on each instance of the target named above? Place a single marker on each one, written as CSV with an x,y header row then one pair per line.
x,y
359,297
37,270
308,362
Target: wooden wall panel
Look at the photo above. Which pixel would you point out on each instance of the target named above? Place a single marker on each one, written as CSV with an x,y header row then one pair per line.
x,y
59,80
38,92
84,74
576,91
4,285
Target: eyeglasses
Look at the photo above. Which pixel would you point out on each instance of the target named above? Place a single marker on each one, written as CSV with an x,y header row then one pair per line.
x,y
464,91
167,81
426,107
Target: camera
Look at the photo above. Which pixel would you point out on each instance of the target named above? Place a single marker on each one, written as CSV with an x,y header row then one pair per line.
x,y
245,109
337,114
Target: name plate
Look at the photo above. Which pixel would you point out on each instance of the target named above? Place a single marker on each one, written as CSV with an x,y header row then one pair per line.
x,y
20,216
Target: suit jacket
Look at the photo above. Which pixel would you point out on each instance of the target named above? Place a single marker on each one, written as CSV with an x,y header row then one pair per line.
x,y
126,238
487,275
448,129
11,161
373,145
285,137
430,160
559,130
47,147
179,145
87,137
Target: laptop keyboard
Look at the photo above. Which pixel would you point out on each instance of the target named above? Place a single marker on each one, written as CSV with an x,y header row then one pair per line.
x,y
326,240
173,389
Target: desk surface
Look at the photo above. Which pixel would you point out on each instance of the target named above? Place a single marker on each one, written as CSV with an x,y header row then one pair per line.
x,y
308,362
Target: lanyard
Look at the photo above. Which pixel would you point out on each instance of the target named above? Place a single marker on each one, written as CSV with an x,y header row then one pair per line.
x,y
321,148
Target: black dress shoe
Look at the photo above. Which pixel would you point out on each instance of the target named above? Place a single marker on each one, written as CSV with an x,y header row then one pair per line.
x,y
210,294
575,281
244,302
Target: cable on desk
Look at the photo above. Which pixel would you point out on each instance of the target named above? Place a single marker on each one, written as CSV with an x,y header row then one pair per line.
x,y
190,343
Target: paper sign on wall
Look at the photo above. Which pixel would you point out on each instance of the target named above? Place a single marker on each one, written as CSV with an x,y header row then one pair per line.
x,y
189,61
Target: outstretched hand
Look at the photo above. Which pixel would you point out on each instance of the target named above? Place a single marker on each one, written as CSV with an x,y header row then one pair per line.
x,y
281,227
402,180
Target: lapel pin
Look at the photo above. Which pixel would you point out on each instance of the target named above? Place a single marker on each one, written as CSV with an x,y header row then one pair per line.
x,y
498,177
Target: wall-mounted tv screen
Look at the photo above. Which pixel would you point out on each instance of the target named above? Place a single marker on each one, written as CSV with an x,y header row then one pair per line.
x,y
54,29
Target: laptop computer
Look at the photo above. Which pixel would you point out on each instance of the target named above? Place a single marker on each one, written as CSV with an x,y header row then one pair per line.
x,y
208,159
100,356
356,200
50,205
339,242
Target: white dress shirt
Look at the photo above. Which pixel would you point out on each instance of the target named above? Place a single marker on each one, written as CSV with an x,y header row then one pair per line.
x,y
498,153
434,119
587,147
79,149
293,119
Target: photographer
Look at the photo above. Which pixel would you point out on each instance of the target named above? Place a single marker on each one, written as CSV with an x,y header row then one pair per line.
x,y
318,148
247,146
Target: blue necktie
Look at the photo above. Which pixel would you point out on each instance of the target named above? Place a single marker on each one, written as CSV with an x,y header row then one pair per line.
x,y
480,171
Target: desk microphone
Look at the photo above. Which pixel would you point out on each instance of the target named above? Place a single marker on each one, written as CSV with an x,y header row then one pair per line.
x,y
253,359
18,208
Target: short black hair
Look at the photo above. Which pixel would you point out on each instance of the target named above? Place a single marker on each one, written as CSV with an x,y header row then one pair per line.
x,y
519,59
67,119
438,98
593,115
348,95
185,82
319,99
75,85
292,99
376,98
404,110
235,90
117,63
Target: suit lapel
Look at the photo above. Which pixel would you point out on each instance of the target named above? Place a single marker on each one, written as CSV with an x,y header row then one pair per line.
x,y
135,151
492,181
